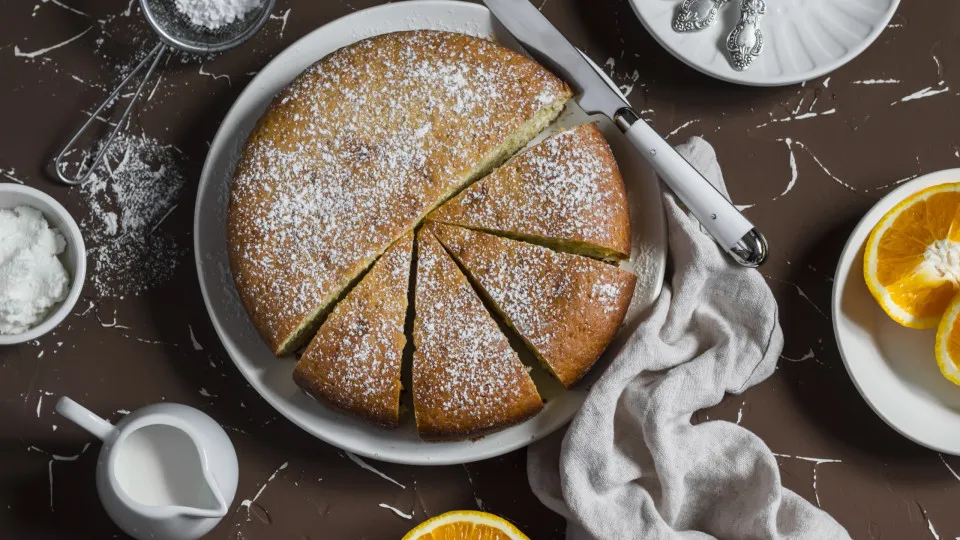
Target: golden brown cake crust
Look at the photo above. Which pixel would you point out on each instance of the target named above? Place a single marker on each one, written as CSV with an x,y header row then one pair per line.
x,y
567,308
467,381
354,361
567,189
355,152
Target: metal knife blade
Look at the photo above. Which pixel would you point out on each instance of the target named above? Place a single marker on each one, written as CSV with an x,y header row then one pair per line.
x,y
545,43
597,94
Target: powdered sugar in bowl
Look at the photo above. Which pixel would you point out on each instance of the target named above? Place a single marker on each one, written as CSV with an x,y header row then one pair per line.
x,y
73,256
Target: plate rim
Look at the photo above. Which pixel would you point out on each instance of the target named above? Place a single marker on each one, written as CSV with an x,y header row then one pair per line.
x,y
221,143
744,78
848,259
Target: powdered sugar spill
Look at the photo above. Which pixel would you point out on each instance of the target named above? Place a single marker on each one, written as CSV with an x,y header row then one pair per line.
x,y
129,198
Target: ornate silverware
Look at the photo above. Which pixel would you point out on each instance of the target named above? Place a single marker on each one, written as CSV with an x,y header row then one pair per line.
x,y
696,15
745,42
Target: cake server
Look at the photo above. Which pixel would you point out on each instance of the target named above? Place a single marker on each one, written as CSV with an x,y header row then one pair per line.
x,y
732,231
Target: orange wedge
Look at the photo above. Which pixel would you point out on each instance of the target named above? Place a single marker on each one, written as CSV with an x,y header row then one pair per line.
x,y
911,261
948,342
465,525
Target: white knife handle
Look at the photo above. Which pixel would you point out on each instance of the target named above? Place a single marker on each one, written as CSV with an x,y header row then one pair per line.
x,y
733,232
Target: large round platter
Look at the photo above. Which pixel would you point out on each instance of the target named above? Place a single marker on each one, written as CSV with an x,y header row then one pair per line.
x,y
272,377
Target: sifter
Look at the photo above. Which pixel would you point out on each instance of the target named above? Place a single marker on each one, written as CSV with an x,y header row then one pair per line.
x,y
176,32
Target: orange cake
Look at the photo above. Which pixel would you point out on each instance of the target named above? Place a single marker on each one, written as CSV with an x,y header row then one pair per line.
x,y
357,150
566,193
567,308
354,361
467,381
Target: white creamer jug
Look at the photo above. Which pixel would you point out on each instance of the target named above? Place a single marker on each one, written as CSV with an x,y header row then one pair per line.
x,y
165,472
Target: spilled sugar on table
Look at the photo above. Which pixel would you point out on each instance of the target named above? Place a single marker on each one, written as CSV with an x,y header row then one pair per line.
x,y
805,161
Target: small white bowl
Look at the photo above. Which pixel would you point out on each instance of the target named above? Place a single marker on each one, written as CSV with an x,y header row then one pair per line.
x,y
74,256
892,366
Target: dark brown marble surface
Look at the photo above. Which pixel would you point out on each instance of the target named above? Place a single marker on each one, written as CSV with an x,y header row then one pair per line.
x,y
120,351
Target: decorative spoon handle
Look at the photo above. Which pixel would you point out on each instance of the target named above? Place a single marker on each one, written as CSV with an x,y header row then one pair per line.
x,y
745,42
696,15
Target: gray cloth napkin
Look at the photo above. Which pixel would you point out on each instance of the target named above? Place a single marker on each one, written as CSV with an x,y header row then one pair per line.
x,y
631,465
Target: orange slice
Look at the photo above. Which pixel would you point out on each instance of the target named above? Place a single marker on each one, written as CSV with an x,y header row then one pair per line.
x,y
911,261
948,342
465,525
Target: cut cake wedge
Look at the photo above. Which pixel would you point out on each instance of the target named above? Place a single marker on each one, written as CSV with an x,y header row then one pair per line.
x,y
353,363
566,308
566,193
467,380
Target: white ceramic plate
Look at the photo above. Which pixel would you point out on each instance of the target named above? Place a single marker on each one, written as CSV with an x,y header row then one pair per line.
x,y
272,377
803,39
893,367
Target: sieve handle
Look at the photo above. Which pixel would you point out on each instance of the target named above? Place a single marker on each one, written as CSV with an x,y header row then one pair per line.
x,y
152,60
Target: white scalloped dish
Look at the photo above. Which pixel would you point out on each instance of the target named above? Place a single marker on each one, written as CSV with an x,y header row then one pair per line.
x,y
803,39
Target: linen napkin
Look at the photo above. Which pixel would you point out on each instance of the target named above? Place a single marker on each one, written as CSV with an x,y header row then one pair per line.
x,y
631,465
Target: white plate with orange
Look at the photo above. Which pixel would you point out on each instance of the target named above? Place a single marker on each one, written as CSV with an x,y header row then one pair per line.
x,y
913,267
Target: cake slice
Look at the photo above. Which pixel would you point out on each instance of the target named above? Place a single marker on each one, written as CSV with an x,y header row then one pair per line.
x,y
467,381
566,308
353,363
566,193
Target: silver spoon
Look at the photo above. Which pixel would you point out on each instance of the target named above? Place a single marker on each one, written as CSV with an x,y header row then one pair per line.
x,y
696,15
745,42
177,32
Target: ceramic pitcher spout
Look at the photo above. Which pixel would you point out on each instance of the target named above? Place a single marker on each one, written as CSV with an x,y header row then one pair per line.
x,y
202,513
219,507
191,512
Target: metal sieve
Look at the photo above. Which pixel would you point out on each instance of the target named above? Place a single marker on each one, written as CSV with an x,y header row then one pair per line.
x,y
175,32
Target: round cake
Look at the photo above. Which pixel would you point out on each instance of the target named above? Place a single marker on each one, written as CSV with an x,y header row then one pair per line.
x,y
357,150
351,159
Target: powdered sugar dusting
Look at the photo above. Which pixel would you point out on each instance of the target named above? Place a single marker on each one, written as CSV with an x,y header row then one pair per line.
x,y
356,151
566,188
566,307
466,378
607,295
129,197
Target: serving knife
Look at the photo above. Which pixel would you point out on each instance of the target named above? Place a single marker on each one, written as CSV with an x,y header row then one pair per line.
x,y
596,94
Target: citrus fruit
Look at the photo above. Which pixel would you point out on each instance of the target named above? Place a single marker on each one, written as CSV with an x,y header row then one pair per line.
x,y
465,525
948,342
911,261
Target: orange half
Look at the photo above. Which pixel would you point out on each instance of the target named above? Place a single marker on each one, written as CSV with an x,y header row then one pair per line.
x,y
911,261
465,525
